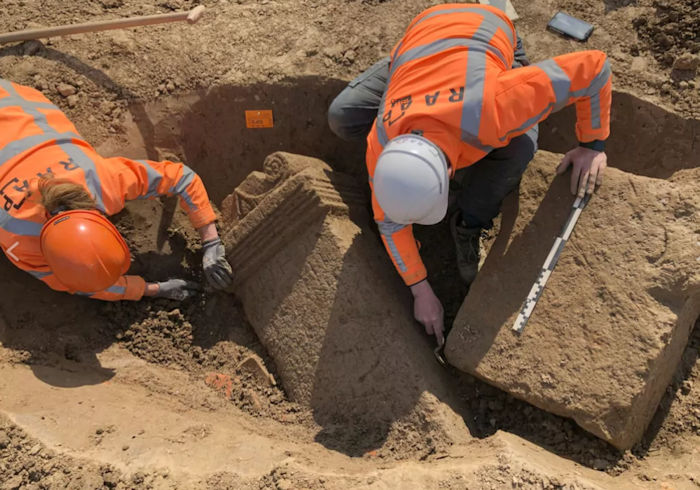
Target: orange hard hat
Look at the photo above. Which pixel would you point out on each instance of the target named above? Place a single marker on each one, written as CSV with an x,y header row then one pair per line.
x,y
84,250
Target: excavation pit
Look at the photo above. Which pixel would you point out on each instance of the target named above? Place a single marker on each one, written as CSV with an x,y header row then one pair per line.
x,y
117,359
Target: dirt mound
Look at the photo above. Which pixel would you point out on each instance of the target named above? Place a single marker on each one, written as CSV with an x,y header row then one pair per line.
x,y
671,32
167,338
26,463
206,335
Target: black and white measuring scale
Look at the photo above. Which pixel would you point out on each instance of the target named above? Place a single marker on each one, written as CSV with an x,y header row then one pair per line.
x,y
549,264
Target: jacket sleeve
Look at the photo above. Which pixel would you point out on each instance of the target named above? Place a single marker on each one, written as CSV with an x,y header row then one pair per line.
x,y
525,96
126,288
145,179
401,246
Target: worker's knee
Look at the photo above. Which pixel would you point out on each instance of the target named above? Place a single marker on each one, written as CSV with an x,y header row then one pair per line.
x,y
525,151
338,117
521,150
349,117
513,160
352,112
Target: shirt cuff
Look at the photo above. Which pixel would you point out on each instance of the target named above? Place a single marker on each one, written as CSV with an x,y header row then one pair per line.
x,y
417,282
597,145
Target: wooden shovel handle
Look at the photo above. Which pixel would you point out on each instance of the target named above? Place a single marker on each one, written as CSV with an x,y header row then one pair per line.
x,y
191,17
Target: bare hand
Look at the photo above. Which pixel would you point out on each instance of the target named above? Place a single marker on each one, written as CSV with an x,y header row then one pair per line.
x,y
587,168
427,309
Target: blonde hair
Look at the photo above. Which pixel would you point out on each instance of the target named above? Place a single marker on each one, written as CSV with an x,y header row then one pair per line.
x,y
64,195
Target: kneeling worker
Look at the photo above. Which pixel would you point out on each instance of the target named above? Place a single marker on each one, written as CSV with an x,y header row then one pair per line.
x,y
458,93
55,194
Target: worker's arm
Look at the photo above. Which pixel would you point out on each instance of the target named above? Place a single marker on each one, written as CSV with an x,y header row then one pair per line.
x,y
126,288
403,250
525,96
144,179
27,259
131,288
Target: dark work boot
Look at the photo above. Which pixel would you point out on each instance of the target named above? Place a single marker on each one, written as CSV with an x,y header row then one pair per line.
x,y
467,245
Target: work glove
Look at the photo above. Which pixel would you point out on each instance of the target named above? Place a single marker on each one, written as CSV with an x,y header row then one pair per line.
x,y
177,289
217,270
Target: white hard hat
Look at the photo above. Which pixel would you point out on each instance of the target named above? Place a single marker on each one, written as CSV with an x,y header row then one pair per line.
x,y
411,181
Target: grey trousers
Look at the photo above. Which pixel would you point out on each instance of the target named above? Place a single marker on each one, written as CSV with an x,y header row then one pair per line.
x,y
484,184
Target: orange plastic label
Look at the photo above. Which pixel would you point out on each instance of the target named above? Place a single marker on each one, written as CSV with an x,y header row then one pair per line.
x,y
259,119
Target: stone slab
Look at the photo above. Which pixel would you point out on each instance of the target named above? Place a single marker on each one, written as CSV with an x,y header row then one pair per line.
x,y
323,298
610,328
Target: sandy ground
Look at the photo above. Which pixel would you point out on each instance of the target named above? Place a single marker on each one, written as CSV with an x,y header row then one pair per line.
x,y
100,395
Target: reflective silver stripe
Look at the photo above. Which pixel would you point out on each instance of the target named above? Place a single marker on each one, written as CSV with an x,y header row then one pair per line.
x,y
595,111
18,226
181,187
490,17
387,228
116,290
112,289
561,83
7,86
14,148
530,122
597,84
474,98
593,91
38,274
39,118
154,180
74,152
381,130
474,87
398,48
11,101
437,47
15,99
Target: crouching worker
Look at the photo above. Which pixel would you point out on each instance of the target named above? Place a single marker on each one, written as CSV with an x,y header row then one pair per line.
x,y
458,94
55,195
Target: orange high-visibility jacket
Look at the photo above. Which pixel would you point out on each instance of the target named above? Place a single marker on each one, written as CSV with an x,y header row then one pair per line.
x,y
450,80
37,140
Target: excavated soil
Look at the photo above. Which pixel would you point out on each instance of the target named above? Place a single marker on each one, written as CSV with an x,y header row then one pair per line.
x,y
179,92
